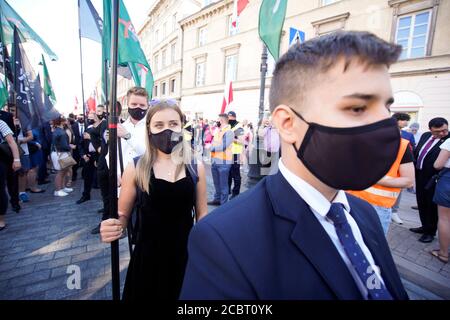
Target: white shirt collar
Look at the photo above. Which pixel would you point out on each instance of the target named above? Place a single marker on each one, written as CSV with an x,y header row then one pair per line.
x,y
315,200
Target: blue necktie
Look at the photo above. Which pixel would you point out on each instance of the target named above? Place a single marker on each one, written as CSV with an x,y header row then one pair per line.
x,y
375,288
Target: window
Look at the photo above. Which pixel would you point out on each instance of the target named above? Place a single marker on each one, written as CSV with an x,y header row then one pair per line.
x,y
232,30
200,74
155,91
156,63
164,30
173,48
270,64
207,2
163,58
172,86
201,36
231,68
163,89
412,34
174,22
327,2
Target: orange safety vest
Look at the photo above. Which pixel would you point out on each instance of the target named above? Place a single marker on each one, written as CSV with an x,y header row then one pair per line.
x,y
218,138
385,196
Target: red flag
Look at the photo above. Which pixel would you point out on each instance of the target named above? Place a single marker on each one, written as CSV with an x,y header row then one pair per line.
x,y
227,97
238,7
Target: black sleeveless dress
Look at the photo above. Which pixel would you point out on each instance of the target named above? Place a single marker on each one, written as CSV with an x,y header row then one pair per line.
x,y
158,262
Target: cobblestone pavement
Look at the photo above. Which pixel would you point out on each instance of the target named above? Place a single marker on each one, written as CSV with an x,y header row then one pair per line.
x,y
52,235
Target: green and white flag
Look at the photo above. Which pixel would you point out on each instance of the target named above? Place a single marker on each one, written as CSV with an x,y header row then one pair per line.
x,y
142,77
10,18
48,89
130,53
3,95
271,19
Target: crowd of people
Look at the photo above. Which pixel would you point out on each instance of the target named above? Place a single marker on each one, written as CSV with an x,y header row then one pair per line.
x,y
303,231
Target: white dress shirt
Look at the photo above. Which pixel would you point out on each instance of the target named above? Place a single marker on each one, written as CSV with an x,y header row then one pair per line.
x,y
133,147
320,206
81,128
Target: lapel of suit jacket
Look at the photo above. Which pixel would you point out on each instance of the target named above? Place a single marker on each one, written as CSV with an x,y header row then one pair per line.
x,y
310,238
371,239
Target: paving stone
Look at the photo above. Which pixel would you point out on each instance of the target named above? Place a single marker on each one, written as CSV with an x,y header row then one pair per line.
x,y
70,252
29,278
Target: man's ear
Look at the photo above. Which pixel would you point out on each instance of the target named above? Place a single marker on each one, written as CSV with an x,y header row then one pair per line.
x,y
284,119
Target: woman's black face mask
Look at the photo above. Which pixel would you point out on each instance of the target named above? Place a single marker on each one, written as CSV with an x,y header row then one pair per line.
x,y
349,158
166,140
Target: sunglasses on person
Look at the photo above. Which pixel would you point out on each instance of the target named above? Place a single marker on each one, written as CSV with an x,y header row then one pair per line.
x,y
171,102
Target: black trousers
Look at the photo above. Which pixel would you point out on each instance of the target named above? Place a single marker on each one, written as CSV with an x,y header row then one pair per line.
x,y
12,181
427,208
42,171
103,182
235,175
77,158
88,172
3,195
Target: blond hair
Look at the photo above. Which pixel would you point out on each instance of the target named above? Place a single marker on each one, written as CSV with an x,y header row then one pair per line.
x,y
182,153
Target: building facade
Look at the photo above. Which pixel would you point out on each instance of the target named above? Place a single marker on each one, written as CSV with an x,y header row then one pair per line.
x,y
215,52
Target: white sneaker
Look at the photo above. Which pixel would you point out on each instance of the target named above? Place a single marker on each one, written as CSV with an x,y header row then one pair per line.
x,y
67,190
60,193
396,218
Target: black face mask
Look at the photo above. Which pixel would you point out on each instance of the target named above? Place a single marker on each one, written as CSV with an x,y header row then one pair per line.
x,y
350,158
166,140
101,116
71,121
137,113
91,121
218,124
232,122
80,121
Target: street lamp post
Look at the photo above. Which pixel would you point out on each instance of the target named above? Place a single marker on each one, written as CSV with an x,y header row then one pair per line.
x,y
254,173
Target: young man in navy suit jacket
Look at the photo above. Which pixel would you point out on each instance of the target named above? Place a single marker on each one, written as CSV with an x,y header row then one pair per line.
x,y
297,235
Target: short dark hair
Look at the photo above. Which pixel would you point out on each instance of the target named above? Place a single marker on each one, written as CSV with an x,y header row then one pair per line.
x,y
437,122
401,116
223,115
137,91
295,69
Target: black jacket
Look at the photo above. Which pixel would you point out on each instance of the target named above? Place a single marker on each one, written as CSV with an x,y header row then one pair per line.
x,y
428,169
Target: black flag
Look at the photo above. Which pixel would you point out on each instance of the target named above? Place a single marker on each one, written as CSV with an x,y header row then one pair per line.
x,y
44,109
24,80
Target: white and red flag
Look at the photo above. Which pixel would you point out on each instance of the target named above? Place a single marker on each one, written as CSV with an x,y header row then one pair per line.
x,y
227,97
238,7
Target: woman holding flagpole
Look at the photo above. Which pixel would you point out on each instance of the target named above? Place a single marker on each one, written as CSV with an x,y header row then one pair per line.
x,y
166,185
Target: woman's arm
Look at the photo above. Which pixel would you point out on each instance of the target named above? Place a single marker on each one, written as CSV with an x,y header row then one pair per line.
x,y
444,155
201,208
28,138
112,229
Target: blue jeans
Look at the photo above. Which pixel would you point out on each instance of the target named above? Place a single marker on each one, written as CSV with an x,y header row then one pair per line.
x,y
385,215
220,173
